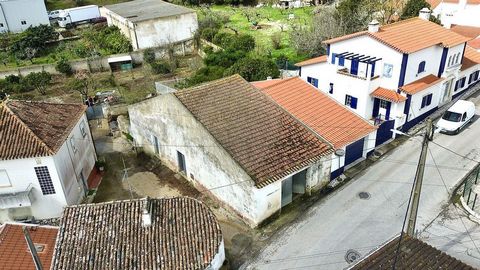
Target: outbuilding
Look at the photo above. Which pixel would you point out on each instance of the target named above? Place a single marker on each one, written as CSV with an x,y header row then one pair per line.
x,y
18,15
152,23
120,63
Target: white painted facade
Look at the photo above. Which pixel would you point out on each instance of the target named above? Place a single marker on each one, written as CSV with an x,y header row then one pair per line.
x,y
155,32
165,122
18,15
75,158
461,13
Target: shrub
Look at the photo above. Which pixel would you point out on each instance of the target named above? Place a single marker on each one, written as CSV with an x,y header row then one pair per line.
x,y
233,42
224,58
208,33
276,40
12,79
34,37
39,81
161,67
149,56
64,67
254,69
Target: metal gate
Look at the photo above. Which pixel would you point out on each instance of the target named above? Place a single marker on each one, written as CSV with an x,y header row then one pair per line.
x,y
299,182
384,132
354,151
287,191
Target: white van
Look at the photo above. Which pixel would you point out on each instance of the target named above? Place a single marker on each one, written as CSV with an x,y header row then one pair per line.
x,y
457,117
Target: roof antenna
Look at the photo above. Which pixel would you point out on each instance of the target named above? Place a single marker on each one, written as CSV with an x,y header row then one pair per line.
x,y
33,251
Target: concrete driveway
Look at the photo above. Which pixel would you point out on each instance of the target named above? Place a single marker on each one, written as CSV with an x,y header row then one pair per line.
x,y
344,225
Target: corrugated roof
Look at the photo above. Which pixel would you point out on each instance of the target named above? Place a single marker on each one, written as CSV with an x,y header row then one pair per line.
x,y
268,143
14,252
471,57
331,120
34,129
420,84
184,234
467,31
414,255
316,60
387,94
411,35
142,10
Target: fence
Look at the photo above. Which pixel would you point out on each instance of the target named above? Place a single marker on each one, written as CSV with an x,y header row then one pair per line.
x,y
101,63
469,192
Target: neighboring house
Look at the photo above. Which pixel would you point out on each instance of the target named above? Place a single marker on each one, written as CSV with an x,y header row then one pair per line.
x,y
18,15
413,254
395,75
152,23
233,142
339,126
46,156
14,251
168,233
462,12
471,32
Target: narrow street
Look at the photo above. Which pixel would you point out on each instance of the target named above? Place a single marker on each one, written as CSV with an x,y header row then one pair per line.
x,y
345,225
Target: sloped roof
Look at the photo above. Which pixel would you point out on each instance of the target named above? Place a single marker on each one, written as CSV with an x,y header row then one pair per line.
x,y
34,129
331,120
410,35
142,10
470,58
14,252
467,31
414,255
475,43
316,60
387,94
420,84
184,234
435,3
266,142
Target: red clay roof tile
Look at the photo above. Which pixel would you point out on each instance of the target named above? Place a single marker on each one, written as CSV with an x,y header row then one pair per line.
x,y
467,31
316,60
470,58
387,94
421,84
410,35
331,120
14,252
475,43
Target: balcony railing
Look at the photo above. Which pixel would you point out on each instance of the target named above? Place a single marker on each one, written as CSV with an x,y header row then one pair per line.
x,y
346,72
16,199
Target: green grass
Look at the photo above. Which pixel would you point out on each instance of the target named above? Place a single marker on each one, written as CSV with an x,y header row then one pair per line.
x,y
269,21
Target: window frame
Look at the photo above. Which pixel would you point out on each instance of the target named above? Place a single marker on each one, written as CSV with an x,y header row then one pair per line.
x,y
351,101
83,129
421,67
72,144
383,104
330,91
23,22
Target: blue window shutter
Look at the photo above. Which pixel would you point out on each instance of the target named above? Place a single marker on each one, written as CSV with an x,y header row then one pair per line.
x,y
424,102
421,67
373,69
309,79
429,99
341,61
300,72
376,107
333,57
462,84
331,88
389,106
353,104
315,82
457,83
354,67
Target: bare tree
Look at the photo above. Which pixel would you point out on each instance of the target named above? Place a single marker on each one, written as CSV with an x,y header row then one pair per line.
x,y
84,83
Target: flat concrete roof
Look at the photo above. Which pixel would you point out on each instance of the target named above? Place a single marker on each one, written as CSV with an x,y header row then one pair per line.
x,y
142,10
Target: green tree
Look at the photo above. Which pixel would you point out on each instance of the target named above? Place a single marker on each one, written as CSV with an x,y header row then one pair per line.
x,y
34,38
39,81
354,15
254,69
412,8
83,82
64,67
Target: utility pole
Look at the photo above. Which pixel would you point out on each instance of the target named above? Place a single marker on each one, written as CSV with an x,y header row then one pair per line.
x,y
412,218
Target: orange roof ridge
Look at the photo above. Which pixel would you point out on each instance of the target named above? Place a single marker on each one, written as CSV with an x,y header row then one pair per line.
x,y
420,84
280,81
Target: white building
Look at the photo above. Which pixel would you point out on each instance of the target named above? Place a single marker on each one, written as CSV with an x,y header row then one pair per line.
x,y
18,15
46,156
460,12
234,143
152,23
397,74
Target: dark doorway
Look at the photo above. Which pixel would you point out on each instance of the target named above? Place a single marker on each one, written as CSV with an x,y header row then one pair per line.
x,y
287,191
182,167
300,182
157,151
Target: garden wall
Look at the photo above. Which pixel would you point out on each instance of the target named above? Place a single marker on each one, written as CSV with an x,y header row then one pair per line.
x,y
101,63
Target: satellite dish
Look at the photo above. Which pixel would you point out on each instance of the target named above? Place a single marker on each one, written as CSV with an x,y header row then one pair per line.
x,y
340,152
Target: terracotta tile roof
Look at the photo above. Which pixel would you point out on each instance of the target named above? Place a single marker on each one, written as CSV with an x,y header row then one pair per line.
x,y
475,43
435,3
411,35
267,142
470,58
420,84
467,31
34,129
414,255
14,252
266,83
316,60
387,94
184,234
331,120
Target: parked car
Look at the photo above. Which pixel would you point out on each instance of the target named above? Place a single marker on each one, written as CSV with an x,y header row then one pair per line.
x,y
98,20
52,15
457,117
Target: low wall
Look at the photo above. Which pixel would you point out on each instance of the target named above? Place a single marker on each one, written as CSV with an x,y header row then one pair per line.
x,y
101,63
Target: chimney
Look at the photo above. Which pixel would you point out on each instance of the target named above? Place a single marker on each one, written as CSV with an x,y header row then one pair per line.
x,y
462,4
373,26
424,14
146,214
269,78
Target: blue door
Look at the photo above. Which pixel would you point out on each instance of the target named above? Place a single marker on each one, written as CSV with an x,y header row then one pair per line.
x,y
384,132
354,69
354,151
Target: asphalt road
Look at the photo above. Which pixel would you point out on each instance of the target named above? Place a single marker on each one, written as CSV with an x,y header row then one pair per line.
x,y
344,223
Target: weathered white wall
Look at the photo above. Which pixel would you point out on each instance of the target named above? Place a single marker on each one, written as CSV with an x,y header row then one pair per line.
x,y
13,12
218,259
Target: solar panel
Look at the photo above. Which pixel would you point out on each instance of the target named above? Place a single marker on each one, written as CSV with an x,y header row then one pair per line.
x,y
45,180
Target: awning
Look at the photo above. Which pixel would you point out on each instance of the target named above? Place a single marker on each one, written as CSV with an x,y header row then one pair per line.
x,y
119,59
15,200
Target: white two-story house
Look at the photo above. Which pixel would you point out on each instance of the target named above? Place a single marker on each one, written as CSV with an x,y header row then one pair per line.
x,y
460,12
395,75
46,157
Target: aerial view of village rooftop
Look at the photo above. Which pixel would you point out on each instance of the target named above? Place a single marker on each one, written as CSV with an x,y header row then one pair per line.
x,y
239,134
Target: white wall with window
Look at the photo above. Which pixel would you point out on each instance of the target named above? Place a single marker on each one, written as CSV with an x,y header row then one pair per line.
x,y
425,101
18,15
